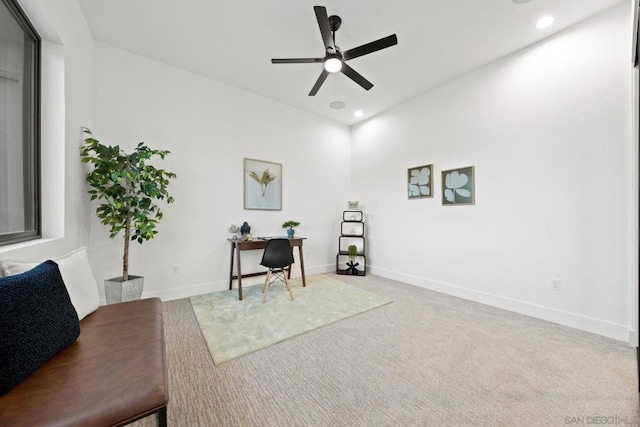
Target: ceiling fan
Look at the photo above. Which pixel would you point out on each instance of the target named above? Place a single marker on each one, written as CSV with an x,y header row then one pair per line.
x,y
335,59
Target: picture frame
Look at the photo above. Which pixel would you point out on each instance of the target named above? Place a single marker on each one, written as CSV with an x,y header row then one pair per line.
x,y
262,185
420,182
458,186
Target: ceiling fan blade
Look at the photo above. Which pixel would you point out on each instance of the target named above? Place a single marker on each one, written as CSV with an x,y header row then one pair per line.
x,y
296,60
325,28
356,77
370,47
321,79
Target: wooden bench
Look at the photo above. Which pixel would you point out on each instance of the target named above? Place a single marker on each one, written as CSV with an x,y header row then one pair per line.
x,y
113,374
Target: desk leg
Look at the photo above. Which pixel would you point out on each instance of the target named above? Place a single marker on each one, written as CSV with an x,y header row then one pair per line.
x,y
231,269
239,275
304,282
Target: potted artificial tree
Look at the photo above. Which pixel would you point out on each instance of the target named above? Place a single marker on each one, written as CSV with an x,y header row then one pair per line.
x,y
128,187
289,225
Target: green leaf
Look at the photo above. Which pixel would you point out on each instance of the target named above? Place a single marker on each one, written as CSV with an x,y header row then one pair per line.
x,y
126,186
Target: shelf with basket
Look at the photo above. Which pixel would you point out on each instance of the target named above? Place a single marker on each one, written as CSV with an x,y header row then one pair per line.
x,y
351,259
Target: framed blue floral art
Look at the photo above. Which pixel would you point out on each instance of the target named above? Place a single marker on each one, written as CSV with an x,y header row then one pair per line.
x,y
458,186
420,182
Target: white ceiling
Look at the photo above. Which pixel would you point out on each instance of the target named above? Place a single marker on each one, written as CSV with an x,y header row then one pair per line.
x,y
233,42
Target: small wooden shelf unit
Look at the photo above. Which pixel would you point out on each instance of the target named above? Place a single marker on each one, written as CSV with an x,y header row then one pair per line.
x,y
352,233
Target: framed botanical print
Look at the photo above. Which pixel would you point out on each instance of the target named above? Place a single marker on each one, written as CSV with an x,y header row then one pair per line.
x,y
262,185
458,186
420,182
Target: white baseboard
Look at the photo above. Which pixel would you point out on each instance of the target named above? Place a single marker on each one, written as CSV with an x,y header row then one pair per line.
x,y
187,291
608,329
223,285
319,269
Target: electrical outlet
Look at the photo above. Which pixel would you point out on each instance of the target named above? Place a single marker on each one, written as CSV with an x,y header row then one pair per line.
x,y
556,285
175,269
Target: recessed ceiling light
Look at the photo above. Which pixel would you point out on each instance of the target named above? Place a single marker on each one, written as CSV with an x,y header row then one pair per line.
x,y
358,113
337,105
544,22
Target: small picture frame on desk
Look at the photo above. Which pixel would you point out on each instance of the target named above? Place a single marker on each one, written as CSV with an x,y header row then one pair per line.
x,y
262,185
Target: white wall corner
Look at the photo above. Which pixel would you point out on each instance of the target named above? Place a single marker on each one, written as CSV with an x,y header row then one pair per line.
x,y
633,337
634,210
608,329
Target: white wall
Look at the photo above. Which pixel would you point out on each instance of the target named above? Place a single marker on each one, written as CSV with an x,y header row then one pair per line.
x,y
209,128
66,105
548,130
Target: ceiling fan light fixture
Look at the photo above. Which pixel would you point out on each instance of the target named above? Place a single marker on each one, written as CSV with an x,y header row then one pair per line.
x,y
333,64
334,60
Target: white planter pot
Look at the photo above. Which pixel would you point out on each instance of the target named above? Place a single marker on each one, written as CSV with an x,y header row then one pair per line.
x,y
117,290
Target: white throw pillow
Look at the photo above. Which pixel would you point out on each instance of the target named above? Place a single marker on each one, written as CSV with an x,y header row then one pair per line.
x,y
76,274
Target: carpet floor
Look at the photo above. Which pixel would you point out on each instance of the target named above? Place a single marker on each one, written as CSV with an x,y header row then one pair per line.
x,y
233,328
426,360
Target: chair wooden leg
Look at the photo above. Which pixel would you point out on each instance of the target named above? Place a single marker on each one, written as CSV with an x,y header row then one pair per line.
x,y
265,291
286,282
266,282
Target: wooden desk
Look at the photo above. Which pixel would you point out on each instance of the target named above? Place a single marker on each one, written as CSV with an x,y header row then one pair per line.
x,y
238,246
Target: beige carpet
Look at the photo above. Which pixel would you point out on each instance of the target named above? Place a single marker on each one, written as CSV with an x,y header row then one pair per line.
x,y
425,360
234,328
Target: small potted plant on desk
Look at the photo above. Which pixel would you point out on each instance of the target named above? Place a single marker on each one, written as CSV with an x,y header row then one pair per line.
x,y
289,225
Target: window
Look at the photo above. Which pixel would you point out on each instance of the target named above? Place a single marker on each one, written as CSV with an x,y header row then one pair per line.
x,y
20,217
